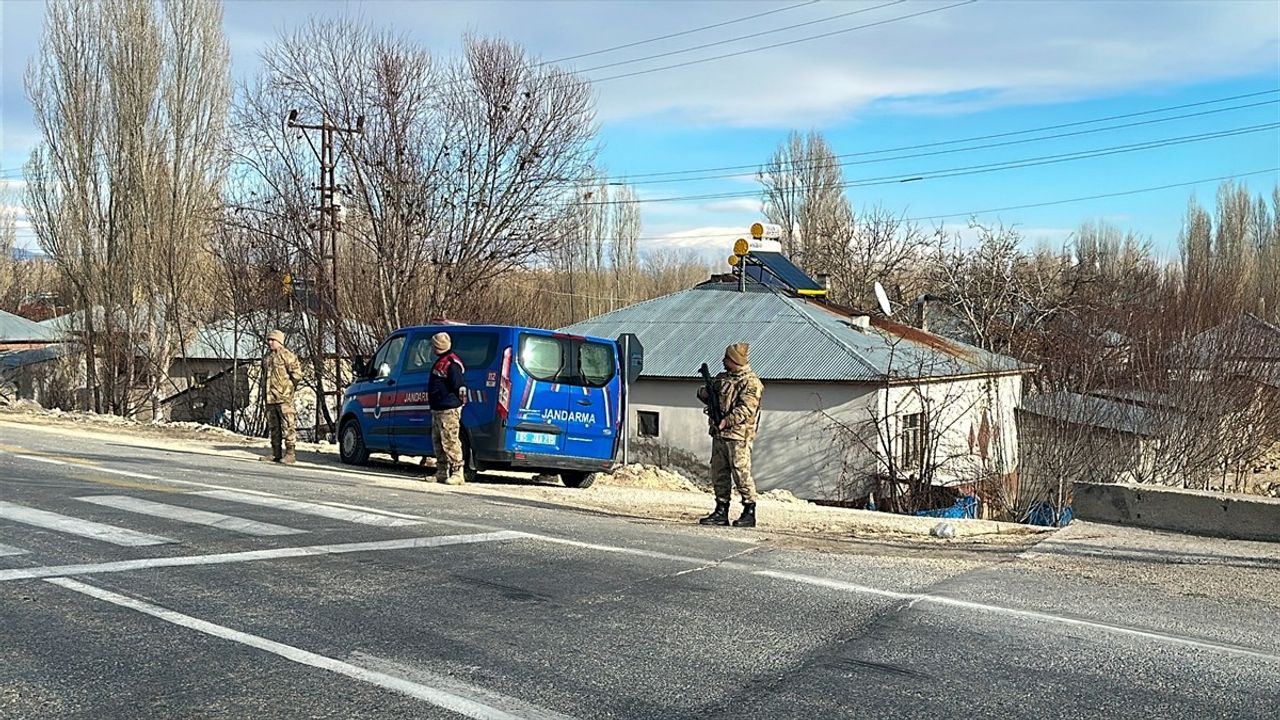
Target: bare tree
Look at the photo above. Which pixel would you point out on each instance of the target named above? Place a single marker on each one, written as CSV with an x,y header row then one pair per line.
x,y
804,193
130,101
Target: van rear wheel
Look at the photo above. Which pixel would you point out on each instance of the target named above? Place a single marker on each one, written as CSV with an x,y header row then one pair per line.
x,y
578,478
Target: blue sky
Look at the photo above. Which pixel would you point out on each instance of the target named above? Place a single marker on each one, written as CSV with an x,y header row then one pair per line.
x,y
989,67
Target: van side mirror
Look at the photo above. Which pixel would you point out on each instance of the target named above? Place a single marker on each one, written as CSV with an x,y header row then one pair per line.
x,y
360,367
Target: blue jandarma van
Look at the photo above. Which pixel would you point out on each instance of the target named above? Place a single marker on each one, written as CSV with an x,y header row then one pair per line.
x,y
538,401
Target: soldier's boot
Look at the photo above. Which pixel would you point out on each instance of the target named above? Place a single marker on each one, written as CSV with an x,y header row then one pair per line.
x,y
273,457
442,472
719,516
455,476
748,516
290,457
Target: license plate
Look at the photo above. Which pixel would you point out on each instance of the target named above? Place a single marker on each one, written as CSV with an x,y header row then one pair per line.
x,y
535,438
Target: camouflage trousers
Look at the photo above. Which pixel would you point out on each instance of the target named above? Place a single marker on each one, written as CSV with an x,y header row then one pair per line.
x,y
282,424
731,467
446,440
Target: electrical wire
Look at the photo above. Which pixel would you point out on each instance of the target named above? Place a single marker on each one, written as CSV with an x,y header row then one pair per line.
x,y
978,169
824,164
773,46
681,33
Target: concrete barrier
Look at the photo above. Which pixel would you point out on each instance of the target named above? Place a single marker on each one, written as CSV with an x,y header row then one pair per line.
x,y
1239,517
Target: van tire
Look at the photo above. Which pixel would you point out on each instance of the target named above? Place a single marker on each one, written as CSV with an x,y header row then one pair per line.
x,y
351,447
578,478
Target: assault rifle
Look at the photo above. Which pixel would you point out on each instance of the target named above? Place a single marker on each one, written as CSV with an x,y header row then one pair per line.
x,y
713,410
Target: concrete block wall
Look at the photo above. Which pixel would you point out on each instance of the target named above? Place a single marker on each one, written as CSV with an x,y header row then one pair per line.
x,y
1239,517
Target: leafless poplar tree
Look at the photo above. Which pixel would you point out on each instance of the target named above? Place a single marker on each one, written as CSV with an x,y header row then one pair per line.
x,y
130,99
804,193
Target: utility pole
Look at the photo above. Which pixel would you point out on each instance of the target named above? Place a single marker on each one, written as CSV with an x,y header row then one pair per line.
x,y
325,286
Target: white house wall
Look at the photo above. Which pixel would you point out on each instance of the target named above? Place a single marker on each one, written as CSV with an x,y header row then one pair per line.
x,y
796,447
957,410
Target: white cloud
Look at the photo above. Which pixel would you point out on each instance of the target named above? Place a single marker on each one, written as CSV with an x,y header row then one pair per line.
x,y
746,206
965,59
710,243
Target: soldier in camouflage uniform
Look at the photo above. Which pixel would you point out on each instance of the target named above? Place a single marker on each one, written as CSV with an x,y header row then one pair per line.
x,y
281,374
739,392
447,394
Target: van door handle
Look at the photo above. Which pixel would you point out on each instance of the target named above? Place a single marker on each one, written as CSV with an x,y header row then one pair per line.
x,y
390,382
584,401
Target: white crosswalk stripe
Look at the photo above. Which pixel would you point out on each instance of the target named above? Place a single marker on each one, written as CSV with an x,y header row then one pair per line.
x,y
307,508
11,550
190,515
76,526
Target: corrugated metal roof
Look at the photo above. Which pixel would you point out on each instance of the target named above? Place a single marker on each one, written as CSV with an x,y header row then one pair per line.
x,y
17,329
21,358
1244,337
1092,411
791,338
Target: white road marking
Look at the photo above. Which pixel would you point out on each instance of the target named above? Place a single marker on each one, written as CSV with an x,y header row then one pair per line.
x,y
49,571
513,706
436,696
76,526
917,598
190,515
126,473
37,458
309,508
6,550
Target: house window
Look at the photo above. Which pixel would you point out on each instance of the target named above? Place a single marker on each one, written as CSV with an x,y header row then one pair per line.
x,y
648,423
911,443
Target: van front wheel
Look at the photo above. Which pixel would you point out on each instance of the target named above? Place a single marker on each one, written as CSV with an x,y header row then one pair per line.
x,y
351,447
578,478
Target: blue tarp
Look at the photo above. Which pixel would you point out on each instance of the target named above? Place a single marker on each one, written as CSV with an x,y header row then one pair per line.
x,y
1042,514
965,507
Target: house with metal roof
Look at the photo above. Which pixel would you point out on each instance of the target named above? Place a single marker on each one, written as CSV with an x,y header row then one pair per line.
x,y
849,398
19,333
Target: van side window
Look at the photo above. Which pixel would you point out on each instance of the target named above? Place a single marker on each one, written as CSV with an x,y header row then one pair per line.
x,y
541,357
595,363
421,356
385,361
476,350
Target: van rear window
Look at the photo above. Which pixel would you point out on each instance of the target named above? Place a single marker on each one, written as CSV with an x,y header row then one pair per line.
x,y
568,361
542,357
595,363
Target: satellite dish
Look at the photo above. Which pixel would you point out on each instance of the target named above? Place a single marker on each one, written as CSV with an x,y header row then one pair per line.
x,y
883,299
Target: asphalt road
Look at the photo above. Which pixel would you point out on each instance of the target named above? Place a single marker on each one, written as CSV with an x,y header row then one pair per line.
x,y
306,593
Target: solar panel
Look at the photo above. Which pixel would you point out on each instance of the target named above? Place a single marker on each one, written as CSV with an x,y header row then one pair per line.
x,y
785,271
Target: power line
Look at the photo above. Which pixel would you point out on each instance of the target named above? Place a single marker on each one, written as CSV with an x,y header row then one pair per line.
x,y
976,138
27,234
977,169
740,38
678,34
1007,143
1096,197
762,48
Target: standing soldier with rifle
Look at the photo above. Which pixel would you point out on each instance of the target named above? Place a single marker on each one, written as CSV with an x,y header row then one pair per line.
x,y
281,374
733,412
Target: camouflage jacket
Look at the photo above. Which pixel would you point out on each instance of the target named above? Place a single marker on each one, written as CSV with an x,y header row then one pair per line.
x,y
740,393
281,374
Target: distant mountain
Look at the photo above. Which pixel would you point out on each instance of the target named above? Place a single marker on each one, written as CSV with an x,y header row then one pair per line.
x,y
25,254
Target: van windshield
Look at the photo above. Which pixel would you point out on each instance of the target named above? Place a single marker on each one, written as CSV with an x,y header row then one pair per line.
x,y
568,361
